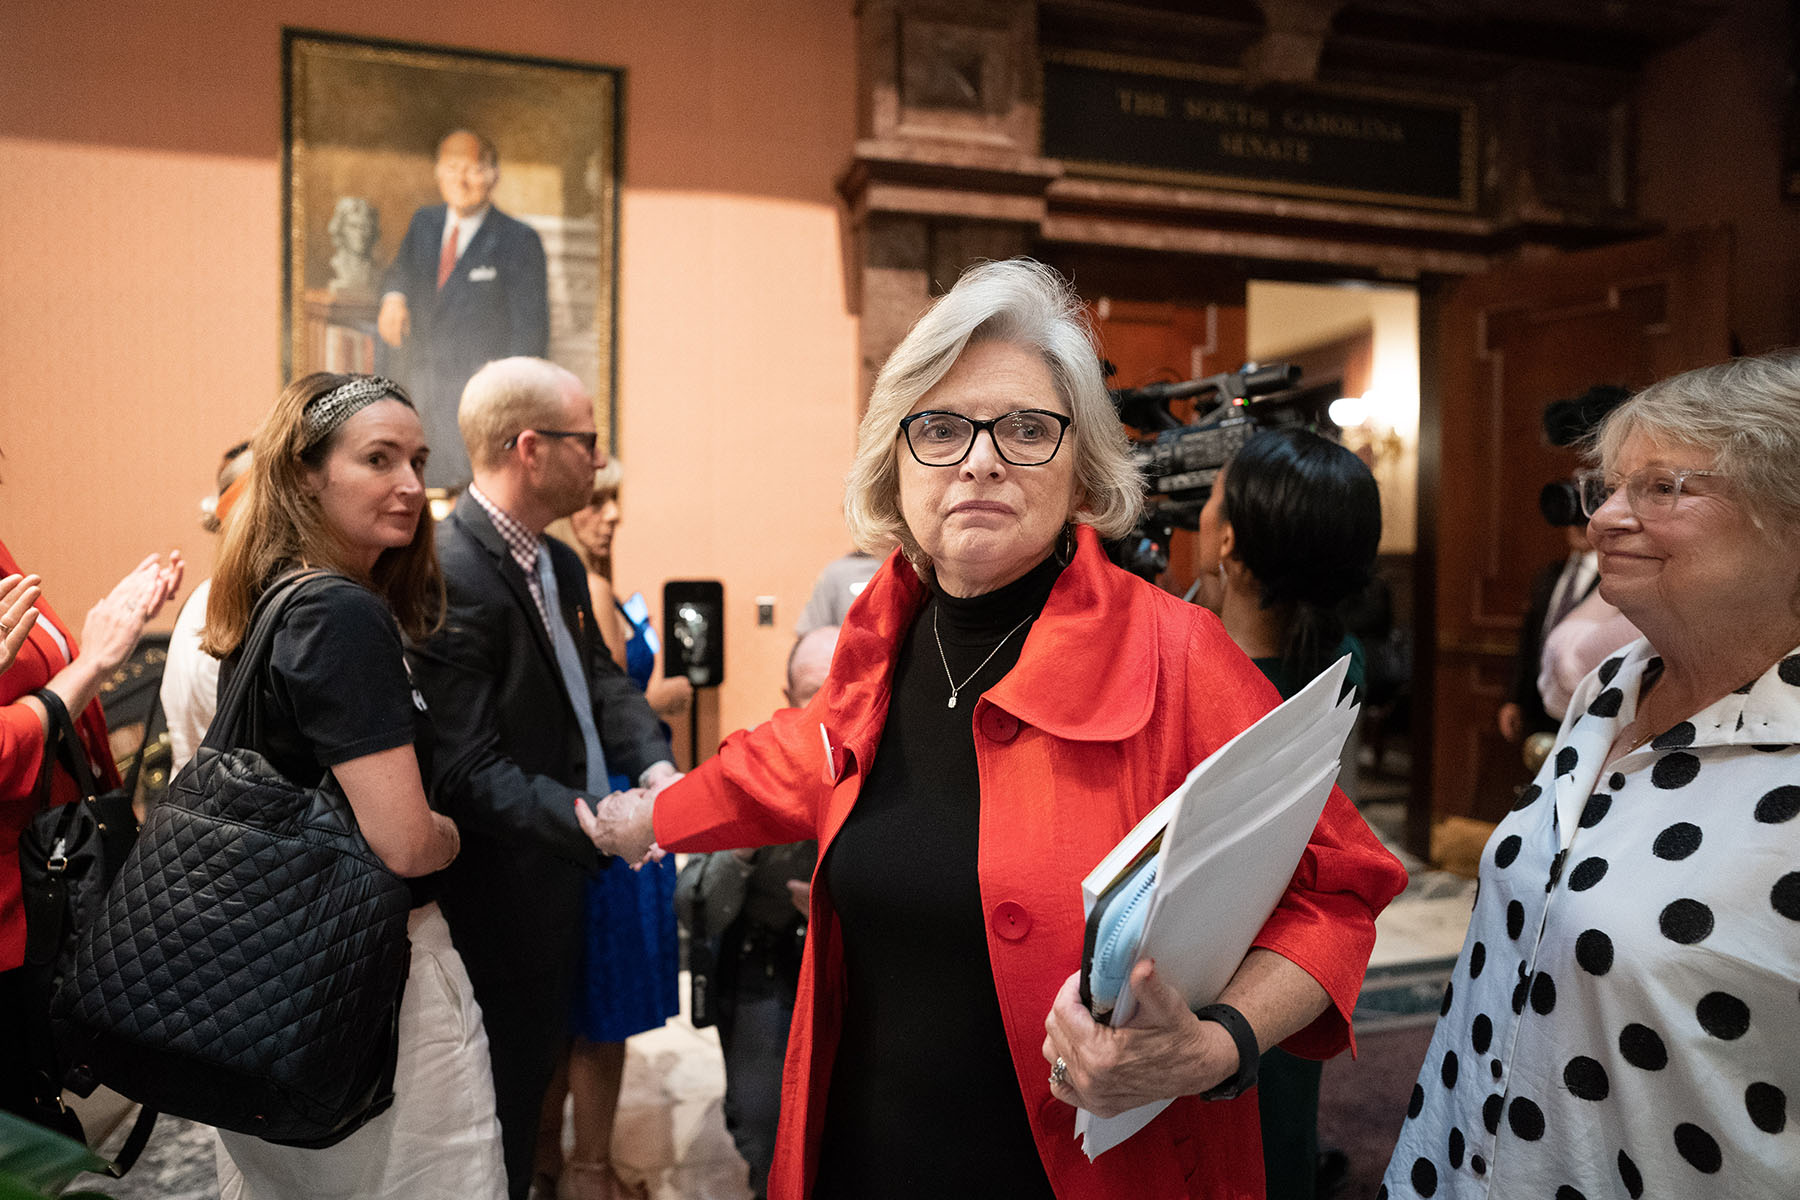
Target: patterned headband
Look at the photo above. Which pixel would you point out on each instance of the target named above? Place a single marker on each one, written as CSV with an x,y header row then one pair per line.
x,y
323,414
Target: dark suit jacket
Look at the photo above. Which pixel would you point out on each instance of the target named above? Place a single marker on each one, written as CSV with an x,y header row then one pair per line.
x,y
509,756
494,305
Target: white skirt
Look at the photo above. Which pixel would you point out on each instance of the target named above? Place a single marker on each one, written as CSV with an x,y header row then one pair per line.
x,y
440,1137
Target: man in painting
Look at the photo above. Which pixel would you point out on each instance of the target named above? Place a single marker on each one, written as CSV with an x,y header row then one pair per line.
x,y
467,287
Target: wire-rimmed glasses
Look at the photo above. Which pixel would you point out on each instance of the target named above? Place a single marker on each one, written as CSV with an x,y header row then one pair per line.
x,y
1026,437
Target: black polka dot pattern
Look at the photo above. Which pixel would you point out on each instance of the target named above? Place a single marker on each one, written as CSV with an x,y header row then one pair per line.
x,y
1595,810
1587,873
1779,806
1699,1147
1424,1177
1677,842
1610,668
1686,921
1586,1078
1767,1106
1675,770
1628,1175
1525,1119
1653,976
1543,994
1675,737
1789,670
1449,994
1723,1016
1417,1104
1594,952
1643,1047
1785,895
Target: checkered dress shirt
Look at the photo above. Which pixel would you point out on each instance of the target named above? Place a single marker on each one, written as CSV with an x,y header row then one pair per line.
x,y
523,545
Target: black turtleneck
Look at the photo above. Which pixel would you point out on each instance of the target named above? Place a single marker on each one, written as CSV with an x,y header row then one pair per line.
x,y
924,1100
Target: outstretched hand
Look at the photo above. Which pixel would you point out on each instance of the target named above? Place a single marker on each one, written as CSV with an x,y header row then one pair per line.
x,y
1162,1052
620,825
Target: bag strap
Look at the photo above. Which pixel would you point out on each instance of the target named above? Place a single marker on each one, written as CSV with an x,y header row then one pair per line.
x,y
62,741
134,1144
237,701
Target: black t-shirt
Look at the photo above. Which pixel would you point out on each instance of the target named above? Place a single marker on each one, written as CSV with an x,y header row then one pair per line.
x,y
924,1100
337,687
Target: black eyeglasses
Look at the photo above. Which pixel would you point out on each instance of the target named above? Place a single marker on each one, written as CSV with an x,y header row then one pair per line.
x,y
1029,437
588,439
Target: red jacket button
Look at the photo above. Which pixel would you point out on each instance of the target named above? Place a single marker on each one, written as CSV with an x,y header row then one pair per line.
x,y
1011,921
999,725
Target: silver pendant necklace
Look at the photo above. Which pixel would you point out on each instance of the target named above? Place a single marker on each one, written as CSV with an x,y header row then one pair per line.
x,y
956,687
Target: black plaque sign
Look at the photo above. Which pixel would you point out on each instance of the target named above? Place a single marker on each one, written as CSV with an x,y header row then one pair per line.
x,y
1170,123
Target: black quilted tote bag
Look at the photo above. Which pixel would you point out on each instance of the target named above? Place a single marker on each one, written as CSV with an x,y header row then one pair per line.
x,y
247,969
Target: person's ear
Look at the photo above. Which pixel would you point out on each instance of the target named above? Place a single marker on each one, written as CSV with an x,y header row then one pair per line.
x,y
1227,542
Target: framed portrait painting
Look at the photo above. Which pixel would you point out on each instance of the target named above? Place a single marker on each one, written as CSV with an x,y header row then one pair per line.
x,y
443,208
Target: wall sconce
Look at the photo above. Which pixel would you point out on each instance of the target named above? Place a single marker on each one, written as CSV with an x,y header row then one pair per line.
x,y
1368,429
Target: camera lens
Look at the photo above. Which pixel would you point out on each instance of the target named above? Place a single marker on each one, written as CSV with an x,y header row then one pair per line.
x,y
1560,502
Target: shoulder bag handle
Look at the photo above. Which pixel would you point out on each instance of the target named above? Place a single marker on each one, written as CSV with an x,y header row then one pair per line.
x,y
236,702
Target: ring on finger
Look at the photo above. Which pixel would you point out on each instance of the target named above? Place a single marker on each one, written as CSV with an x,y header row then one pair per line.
x,y
1059,1073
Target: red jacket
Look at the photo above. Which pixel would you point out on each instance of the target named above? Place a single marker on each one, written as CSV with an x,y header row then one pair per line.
x,y
1119,690
22,758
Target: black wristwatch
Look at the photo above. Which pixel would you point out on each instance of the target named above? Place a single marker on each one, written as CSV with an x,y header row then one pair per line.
x,y
1248,1056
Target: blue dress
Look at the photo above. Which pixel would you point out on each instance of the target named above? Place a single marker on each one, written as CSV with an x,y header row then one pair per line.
x,y
630,963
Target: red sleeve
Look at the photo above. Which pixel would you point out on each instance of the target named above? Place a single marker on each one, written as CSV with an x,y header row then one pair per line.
x,y
765,786
1325,922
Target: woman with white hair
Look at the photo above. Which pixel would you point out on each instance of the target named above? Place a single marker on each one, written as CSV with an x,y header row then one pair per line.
x,y
1621,1021
1003,706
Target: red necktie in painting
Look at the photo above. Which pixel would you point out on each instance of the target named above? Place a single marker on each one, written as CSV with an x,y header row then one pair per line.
x,y
447,260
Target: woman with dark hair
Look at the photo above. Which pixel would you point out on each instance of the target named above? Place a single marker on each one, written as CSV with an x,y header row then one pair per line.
x,y
336,484
1291,530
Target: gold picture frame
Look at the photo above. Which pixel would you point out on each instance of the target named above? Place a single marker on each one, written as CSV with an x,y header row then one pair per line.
x,y
362,125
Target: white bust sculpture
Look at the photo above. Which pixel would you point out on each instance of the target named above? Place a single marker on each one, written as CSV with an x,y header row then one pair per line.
x,y
355,228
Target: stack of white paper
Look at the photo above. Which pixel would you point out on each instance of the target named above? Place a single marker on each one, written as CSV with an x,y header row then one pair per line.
x,y
1232,834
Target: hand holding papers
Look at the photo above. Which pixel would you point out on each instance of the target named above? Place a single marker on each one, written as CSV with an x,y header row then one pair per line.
x,y
1194,882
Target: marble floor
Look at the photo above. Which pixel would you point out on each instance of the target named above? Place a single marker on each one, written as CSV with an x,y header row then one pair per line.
x,y
671,1131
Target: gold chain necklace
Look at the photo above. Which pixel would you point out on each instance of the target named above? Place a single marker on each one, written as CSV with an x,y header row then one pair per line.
x,y
956,687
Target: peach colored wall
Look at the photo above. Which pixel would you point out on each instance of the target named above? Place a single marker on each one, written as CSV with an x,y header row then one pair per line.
x,y
1710,118
140,230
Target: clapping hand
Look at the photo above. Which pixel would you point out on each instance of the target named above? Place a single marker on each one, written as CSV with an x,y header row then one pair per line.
x,y
113,626
17,595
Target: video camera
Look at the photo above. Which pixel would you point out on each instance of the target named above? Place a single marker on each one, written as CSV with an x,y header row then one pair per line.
x,y
1568,423
1181,462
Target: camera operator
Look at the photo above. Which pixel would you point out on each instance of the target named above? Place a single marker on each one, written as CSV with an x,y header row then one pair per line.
x,y
1555,591
1578,629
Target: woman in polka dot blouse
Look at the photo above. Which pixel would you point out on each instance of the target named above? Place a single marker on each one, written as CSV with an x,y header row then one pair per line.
x,y
1624,1020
